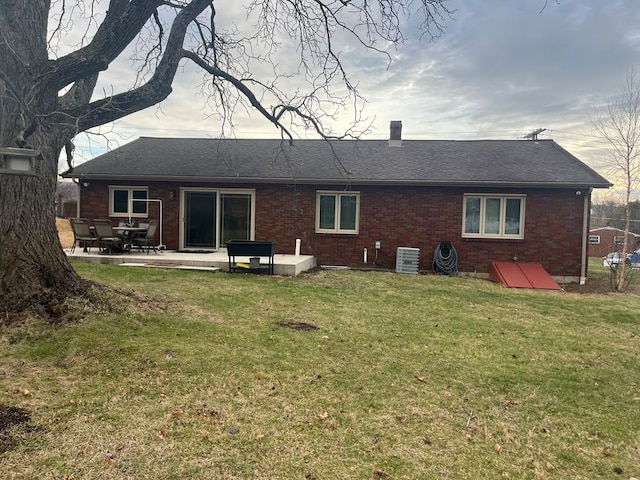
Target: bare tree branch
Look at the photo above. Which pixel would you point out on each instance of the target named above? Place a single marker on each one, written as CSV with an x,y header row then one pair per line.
x,y
122,23
240,86
546,2
154,91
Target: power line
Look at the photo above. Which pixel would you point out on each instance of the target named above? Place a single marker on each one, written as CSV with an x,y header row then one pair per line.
x,y
615,219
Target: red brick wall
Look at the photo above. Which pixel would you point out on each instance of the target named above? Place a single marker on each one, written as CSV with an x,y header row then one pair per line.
x,y
419,217
94,203
422,217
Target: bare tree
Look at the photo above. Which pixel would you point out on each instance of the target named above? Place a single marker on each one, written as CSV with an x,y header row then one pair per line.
x,y
48,94
618,123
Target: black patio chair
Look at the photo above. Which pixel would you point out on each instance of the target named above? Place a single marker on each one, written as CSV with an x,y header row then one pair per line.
x,y
107,239
146,241
82,235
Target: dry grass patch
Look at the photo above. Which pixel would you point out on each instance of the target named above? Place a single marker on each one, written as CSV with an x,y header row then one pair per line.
x,y
64,232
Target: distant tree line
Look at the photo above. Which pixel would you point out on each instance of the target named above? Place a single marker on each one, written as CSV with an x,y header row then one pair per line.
x,y
611,214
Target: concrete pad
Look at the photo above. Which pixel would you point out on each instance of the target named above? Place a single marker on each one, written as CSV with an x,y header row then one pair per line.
x,y
288,265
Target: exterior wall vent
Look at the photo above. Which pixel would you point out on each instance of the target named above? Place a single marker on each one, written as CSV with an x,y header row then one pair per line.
x,y
407,260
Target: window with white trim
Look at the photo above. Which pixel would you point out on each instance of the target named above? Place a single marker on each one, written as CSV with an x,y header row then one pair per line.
x,y
594,239
337,212
128,201
493,216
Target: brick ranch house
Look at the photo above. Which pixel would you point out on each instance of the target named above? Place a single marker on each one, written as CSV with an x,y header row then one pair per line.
x,y
604,240
494,200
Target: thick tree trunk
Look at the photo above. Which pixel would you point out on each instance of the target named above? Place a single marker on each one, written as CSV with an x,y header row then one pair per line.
x,y
35,273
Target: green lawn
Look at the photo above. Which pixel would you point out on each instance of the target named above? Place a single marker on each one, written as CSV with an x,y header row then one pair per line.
x,y
202,376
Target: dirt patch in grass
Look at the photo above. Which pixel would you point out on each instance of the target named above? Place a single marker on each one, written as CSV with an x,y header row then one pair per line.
x,y
10,416
599,282
298,325
591,287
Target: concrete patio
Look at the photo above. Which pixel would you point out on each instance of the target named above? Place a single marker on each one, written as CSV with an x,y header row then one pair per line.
x,y
289,265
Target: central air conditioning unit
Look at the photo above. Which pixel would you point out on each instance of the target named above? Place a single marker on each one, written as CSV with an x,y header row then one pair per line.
x,y
407,260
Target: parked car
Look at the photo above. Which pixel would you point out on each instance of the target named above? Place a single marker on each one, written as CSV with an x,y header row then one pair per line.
x,y
613,258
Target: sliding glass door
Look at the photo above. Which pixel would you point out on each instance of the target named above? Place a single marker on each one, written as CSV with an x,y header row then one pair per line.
x,y
211,217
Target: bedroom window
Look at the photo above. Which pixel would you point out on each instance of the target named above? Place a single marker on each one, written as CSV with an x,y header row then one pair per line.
x,y
337,212
493,216
123,201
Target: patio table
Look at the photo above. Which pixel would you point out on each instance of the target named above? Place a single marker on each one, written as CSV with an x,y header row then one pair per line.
x,y
128,233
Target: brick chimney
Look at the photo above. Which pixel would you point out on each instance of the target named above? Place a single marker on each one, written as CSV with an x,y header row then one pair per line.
x,y
395,137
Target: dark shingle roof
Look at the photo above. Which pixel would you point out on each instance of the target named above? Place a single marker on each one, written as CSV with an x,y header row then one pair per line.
x,y
421,162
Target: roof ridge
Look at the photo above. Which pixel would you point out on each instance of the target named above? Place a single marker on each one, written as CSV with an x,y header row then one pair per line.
x,y
217,139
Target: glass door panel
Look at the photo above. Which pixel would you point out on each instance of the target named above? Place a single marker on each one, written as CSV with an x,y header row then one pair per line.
x,y
200,219
235,217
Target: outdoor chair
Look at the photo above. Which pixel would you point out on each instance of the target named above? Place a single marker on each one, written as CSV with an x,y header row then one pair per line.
x,y
106,237
82,235
146,241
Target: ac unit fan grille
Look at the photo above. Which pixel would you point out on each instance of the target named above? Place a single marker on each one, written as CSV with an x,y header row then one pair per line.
x,y
407,260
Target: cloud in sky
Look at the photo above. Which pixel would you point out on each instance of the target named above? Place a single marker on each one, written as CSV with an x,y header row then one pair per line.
x,y
500,70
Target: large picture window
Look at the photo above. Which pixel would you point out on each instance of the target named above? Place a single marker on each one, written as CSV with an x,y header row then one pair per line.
x,y
493,216
337,212
126,201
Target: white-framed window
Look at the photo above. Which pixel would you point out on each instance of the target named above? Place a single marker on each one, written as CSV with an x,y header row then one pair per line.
x,y
127,201
618,239
594,239
493,216
337,212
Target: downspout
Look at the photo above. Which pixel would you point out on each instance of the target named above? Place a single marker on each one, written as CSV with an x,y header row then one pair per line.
x,y
585,237
77,182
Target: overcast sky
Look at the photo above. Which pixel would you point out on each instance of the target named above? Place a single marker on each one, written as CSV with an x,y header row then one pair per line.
x,y
502,69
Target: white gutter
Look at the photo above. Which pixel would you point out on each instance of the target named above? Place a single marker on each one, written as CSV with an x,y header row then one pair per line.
x,y
77,182
585,237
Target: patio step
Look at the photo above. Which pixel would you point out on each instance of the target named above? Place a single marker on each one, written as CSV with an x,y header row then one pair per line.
x,y
174,266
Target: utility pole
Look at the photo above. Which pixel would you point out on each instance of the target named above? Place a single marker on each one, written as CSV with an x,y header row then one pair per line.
x,y
534,135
